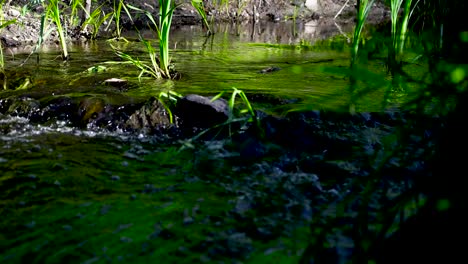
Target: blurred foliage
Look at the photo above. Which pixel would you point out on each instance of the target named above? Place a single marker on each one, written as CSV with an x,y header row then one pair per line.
x,y
424,222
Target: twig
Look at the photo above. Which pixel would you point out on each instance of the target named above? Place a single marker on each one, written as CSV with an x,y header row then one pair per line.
x,y
341,10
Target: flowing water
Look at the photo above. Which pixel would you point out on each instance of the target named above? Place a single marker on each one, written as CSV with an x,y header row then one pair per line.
x,y
233,57
67,192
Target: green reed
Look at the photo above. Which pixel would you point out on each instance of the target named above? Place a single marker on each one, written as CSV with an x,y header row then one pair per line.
x,y
248,109
172,97
364,7
399,28
166,10
198,4
233,115
153,70
116,15
75,6
53,13
159,67
162,29
96,19
3,23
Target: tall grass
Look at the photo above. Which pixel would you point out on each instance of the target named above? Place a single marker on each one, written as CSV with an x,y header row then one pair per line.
x,y
405,228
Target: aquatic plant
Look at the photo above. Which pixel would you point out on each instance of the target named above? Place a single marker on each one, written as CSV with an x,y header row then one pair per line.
x,y
248,109
398,34
96,19
3,23
399,28
162,30
152,69
53,13
364,7
75,6
25,9
198,4
236,115
116,15
166,10
241,5
232,103
172,97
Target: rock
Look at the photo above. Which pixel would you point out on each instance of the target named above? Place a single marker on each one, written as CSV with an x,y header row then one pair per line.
x,y
196,111
89,108
115,82
24,107
151,116
61,108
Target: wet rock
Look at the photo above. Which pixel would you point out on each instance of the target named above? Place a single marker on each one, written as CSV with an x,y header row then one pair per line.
x,y
151,116
89,108
5,104
109,112
24,107
59,108
196,111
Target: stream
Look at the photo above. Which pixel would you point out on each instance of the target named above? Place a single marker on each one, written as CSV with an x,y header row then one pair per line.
x,y
95,195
